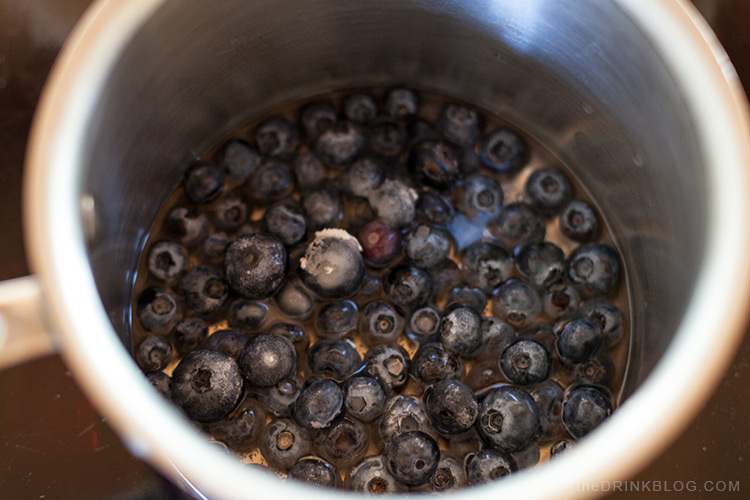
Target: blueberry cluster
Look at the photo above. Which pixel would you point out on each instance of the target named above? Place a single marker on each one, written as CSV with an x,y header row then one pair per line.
x,y
385,292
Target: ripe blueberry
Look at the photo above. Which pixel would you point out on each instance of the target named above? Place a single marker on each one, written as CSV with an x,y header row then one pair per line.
x,y
256,265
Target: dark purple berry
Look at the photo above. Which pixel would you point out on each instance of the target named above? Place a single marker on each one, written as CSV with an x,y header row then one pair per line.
x,y
435,209
549,400
578,340
204,290
380,323
229,342
154,353
256,265
214,248
203,182
238,158
188,334
412,457
517,303
162,383
408,286
424,324
332,266
277,137
343,443
435,164
402,414
542,264
433,364
381,243
451,406
279,399
504,151
459,124
166,260
337,318
271,181
364,176
386,139
427,246
517,225
578,221
229,212
317,117
389,364
315,471
286,220
188,225
596,266
486,265
158,310
480,195
488,465
360,108
335,358
284,443
247,315
294,300
364,398
267,359
525,362
561,301
308,170
394,202
323,208
371,477
318,404
609,318
548,190
401,103
585,408
340,145
461,331
508,418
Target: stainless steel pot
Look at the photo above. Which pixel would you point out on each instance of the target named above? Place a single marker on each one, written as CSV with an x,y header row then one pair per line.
x,y
637,97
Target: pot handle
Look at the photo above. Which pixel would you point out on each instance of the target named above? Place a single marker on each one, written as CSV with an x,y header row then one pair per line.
x,y
24,334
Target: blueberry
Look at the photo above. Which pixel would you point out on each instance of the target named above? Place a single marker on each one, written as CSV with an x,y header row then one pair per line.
x,y
561,301
294,300
427,246
284,443
207,385
158,310
364,398
370,286
203,182
337,318
466,296
542,264
448,476
486,265
277,137
496,336
323,208
517,225
435,209
241,431
371,477
161,382
204,290
389,364
256,265
525,362
229,342
166,260
596,266
461,331
609,318
271,181
558,448
335,358
343,443
381,243
401,103
578,340
340,145
503,150
526,457
380,323
445,277
188,225
451,406
188,334
153,353
238,158
308,170
362,177
402,414
214,248
599,370
295,333
286,220
247,314
488,465
360,108
549,400
508,418
394,202
412,457
317,117
432,364
332,266
459,124
386,139
585,408
408,286
279,399
517,303
480,194
315,471
548,190
435,164
424,324
229,212
318,404
267,359
578,221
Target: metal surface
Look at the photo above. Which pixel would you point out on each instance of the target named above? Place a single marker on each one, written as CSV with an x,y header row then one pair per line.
x,y
563,126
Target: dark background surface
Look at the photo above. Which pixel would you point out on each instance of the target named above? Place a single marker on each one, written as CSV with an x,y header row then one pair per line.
x,y
53,444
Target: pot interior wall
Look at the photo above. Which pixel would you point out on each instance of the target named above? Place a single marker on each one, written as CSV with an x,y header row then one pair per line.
x,y
577,76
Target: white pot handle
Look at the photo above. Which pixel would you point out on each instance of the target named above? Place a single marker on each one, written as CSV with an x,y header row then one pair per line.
x,y
24,334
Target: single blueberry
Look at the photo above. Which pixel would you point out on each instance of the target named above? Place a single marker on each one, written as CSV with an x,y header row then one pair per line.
x,y
402,414
308,170
386,139
315,471
335,358
609,318
323,208
461,331
480,194
362,177
284,443
241,431
598,370
380,323
247,314
277,137
204,290
343,443
578,221
561,301
432,364
445,277
166,260
435,209
370,476
394,202
408,286
381,243
542,264
389,364
466,296
488,465
229,212
267,359
214,248
434,163
337,318
451,406
496,335
238,158
364,398
332,266
279,399
585,408
412,457
188,225
153,353
158,309
340,145
316,117
596,266
203,182
401,103
549,400
548,190
294,300
360,108
207,385
295,333
449,475
424,324
229,342
188,334
256,265
508,418
578,340
286,220
459,124
517,303
486,265
503,150
427,246
517,225
161,382
318,404
271,181
525,362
